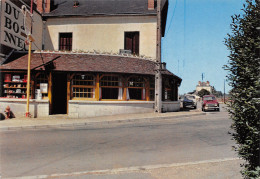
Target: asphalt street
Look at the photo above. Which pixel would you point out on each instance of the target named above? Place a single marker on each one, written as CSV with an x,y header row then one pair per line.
x,y
100,149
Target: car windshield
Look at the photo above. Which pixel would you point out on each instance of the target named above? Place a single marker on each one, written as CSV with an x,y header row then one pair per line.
x,y
209,98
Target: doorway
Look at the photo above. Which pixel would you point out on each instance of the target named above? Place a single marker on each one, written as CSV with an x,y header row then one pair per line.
x,y
59,93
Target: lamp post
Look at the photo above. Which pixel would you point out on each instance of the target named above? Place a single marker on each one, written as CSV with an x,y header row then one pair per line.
x,y
28,27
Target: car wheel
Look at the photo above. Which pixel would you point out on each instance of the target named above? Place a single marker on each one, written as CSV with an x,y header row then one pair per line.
x,y
195,107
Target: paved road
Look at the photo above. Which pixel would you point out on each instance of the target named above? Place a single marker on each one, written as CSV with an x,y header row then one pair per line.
x,y
117,146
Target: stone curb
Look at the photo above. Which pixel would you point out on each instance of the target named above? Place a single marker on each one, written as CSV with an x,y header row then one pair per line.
x,y
83,124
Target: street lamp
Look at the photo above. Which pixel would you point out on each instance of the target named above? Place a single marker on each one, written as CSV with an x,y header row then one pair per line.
x,y
28,27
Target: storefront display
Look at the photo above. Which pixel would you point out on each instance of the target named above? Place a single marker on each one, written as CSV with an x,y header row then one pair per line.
x,y
15,88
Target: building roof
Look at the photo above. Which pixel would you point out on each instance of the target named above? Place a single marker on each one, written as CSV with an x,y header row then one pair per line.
x,y
76,62
101,7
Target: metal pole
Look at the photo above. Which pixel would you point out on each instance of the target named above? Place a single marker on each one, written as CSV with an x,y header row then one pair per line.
x,y
27,114
224,93
158,75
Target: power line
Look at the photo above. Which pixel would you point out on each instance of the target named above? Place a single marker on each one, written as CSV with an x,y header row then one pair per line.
x,y
173,13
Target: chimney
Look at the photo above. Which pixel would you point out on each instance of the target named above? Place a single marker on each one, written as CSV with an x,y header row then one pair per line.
x,y
47,8
39,6
150,4
43,6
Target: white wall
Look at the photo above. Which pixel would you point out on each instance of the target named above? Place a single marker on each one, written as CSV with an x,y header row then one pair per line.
x,y
37,108
105,34
81,109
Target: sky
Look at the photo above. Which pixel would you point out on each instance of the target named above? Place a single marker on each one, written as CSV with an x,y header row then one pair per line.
x,y
194,41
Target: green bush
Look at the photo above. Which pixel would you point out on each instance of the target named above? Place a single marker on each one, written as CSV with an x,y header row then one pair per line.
x,y
244,78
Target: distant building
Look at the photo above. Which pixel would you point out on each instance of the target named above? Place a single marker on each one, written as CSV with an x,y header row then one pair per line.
x,y
203,85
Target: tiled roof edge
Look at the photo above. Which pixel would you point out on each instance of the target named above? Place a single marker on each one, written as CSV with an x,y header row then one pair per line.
x,y
94,53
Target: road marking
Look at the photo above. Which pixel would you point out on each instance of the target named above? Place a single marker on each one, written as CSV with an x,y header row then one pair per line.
x,y
126,169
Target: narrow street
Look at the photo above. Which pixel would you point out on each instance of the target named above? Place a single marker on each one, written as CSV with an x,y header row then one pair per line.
x,y
160,144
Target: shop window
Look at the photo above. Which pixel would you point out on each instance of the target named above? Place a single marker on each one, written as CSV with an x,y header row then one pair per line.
x,y
132,42
41,81
136,88
83,86
14,85
168,83
152,87
111,87
109,93
168,94
65,41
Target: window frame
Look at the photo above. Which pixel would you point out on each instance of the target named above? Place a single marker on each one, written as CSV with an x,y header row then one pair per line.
x,y
83,86
105,86
70,45
42,78
143,87
135,34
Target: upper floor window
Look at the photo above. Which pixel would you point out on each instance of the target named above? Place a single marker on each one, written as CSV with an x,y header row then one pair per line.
x,y
132,42
65,41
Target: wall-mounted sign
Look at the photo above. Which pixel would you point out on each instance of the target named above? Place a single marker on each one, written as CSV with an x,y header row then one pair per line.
x,y
12,25
44,87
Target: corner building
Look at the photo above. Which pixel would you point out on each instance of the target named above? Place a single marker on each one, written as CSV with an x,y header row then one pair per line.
x,y
96,58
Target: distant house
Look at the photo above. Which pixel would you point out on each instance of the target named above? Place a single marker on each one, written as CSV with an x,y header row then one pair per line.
x,y
94,58
203,85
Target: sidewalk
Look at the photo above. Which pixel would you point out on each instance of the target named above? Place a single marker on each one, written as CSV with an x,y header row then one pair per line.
x,y
65,121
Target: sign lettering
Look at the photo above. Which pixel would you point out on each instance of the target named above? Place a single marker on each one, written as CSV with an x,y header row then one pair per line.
x,y
12,26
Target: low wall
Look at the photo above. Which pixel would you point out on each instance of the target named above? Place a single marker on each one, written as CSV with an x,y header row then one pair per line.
x,y
37,108
81,109
171,106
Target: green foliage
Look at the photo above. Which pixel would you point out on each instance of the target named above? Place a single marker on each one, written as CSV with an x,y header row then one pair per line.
x,y
203,92
244,78
216,93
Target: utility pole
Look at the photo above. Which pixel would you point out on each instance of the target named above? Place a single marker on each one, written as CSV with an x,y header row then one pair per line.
x,y
202,76
158,74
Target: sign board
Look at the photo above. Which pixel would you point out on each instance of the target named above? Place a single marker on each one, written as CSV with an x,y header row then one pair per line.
x,y
44,87
12,25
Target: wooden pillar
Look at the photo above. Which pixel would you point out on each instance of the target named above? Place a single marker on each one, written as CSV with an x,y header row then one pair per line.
x,y
124,83
50,90
97,88
147,90
33,87
68,92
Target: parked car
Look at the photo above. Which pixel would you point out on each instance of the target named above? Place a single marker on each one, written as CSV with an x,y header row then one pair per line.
x,y
209,102
189,101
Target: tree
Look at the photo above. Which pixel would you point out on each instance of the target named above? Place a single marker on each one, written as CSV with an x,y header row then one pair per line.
x,y
203,92
244,78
